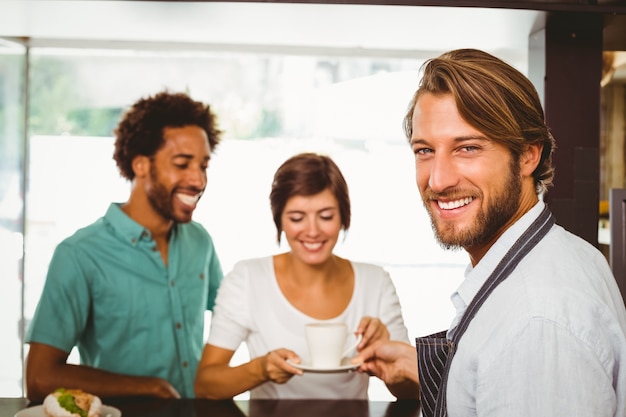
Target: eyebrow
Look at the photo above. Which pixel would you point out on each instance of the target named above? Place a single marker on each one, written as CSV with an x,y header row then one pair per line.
x,y
318,211
189,156
458,139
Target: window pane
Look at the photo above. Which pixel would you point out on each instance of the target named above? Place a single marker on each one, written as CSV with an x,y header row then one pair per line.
x,y
12,58
270,107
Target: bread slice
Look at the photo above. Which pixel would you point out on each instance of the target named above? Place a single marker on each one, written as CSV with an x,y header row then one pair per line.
x,y
72,403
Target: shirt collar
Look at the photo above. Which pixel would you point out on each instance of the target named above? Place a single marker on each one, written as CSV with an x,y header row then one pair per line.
x,y
476,276
124,226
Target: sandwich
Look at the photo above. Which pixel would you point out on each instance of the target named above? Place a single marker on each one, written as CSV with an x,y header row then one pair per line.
x,y
72,403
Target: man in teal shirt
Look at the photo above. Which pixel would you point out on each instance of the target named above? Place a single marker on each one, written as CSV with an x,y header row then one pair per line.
x,y
131,289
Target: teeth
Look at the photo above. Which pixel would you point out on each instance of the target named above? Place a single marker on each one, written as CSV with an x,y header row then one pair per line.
x,y
449,205
188,199
312,246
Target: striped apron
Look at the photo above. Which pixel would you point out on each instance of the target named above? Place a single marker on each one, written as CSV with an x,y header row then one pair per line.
x,y
435,352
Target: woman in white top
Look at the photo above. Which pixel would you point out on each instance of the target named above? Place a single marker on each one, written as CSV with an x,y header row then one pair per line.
x,y
266,302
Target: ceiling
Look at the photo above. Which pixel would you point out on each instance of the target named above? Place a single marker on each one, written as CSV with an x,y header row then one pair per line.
x,y
298,28
301,28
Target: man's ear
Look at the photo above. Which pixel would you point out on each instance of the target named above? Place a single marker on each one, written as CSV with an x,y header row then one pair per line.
x,y
530,159
141,166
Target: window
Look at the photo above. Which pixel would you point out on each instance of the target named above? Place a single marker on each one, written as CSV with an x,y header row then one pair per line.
x,y
12,59
270,106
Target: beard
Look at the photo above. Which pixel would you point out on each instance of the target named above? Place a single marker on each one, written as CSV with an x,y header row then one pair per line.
x,y
161,199
501,207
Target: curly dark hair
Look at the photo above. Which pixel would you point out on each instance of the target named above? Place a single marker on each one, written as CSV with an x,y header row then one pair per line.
x,y
140,132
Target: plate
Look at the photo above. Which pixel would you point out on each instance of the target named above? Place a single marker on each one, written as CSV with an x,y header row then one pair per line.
x,y
345,366
37,411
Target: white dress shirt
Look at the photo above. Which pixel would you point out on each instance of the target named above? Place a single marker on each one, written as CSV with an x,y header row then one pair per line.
x,y
549,341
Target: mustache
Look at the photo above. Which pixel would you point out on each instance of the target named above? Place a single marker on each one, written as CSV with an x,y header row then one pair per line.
x,y
452,194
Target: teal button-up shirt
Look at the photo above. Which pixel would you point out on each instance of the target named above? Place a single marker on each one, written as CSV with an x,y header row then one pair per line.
x,y
109,293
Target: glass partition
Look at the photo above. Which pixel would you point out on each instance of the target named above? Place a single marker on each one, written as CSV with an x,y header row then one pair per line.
x,y
12,76
270,106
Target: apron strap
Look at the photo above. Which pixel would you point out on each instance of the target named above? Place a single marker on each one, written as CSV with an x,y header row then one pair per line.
x,y
435,352
526,242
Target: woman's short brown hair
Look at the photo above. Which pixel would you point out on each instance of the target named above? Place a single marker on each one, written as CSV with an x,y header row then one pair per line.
x,y
308,174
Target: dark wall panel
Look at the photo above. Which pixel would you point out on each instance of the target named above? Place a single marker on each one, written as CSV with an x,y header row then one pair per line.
x,y
573,69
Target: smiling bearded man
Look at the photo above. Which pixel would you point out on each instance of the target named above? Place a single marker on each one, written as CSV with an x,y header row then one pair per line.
x,y
131,289
540,326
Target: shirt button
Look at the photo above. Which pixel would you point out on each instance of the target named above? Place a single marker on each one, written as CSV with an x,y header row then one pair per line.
x,y
184,364
178,325
155,248
201,276
171,283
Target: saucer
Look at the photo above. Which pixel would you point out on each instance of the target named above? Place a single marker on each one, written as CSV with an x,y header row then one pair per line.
x,y
345,366
38,411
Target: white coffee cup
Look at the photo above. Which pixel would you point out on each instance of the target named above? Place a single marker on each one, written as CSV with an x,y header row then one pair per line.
x,y
327,343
